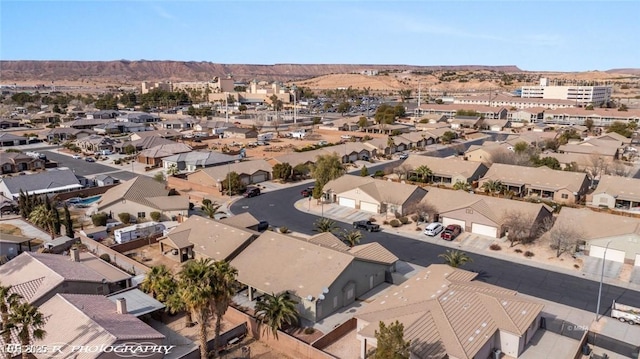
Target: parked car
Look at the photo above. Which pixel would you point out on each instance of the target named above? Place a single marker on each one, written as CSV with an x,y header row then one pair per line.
x,y
76,157
404,156
307,192
366,225
433,229
90,159
252,192
346,137
263,226
451,232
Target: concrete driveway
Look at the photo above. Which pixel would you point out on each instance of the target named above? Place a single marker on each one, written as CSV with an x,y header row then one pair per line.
x,y
593,266
635,275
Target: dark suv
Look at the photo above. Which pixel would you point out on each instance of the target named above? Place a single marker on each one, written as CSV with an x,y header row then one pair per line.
x,y
252,192
307,192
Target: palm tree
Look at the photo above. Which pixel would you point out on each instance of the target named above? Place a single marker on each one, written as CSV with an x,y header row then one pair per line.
x,y
224,289
159,283
352,238
211,209
8,301
27,320
276,311
44,218
195,288
455,258
462,186
391,144
492,187
325,225
424,172
173,170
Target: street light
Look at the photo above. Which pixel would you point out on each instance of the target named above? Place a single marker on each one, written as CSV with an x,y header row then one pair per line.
x,y
604,258
294,89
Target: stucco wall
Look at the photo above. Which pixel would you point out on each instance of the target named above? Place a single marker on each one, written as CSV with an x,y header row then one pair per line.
x,y
603,199
133,208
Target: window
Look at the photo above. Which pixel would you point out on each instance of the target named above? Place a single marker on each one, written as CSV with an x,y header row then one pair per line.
x,y
141,214
565,196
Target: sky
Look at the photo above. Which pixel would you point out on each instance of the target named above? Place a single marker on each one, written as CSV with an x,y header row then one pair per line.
x,y
533,35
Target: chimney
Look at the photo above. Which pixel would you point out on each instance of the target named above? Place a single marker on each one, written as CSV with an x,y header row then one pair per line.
x,y
75,255
121,306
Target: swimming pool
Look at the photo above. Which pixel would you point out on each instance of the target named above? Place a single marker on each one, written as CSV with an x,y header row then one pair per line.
x,y
84,201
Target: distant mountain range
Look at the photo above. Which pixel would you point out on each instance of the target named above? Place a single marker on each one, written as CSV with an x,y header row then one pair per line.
x,y
133,71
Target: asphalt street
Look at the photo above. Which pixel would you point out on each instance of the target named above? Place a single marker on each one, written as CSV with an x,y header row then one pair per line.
x,y
84,168
278,209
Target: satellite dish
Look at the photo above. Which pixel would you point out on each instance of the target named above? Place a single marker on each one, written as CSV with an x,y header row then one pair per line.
x,y
325,290
309,297
321,297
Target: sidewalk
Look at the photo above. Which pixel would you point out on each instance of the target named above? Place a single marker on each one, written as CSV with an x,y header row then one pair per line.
x,y
469,242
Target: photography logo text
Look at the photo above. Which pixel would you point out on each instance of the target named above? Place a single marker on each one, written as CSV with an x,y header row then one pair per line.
x,y
123,350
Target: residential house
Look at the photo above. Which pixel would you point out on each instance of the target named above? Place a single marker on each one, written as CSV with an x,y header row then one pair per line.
x,y
448,314
115,127
599,116
446,171
96,143
142,195
622,193
486,112
168,134
8,205
593,149
373,195
153,156
573,160
250,172
419,139
8,140
460,122
237,132
179,124
143,144
40,276
66,134
495,125
12,162
541,182
191,161
45,182
86,123
9,123
103,114
344,277
104,180
383,146
479,214
200,237
80,322
389,129
138,117
242,220
508,101
212,127
12,245
523,116
617,237
488,152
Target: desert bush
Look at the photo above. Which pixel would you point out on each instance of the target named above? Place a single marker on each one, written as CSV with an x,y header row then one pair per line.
x,y
495,247
418,229
155,216
125,217
105,257
415,218
372,219
576,266
528,254
404,220
284,229
518,250
309,330
385,222
395,223
99,219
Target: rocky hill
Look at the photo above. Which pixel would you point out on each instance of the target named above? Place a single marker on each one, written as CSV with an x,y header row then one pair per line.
x,y
134,71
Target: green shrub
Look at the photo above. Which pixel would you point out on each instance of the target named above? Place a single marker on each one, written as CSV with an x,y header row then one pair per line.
x,y
99,219
309,330
206,202
395,223
155,216
415,218
284,229
105,257
379,173
518,250
404,220
124,217
385,222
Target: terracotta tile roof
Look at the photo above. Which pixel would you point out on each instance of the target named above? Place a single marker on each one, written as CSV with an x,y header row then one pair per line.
x,y
589,150
165,150
244,167
242,220
594,225
444,166
328,240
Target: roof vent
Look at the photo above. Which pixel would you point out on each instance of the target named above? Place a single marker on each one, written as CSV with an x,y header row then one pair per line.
x,y
466,306
121,306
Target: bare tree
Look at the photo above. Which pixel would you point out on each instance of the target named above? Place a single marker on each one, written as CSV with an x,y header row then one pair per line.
x,y
402,171
618,168
258,123
424,211
597,166
521,227
562,236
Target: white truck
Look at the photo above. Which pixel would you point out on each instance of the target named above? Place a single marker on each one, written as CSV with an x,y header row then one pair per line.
x,y
266,136
142,230
625,313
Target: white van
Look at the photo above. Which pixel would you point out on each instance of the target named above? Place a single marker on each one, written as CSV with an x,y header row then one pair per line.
x,y
433,229
106,152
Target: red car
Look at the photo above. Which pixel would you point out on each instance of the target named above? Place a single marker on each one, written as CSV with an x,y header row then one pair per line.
x,y
307,192
451,232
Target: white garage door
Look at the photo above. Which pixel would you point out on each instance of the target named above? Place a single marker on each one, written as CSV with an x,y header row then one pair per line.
x,y
637,263
489,231
369,207
612,254
353,157
447,221
259,177
347,202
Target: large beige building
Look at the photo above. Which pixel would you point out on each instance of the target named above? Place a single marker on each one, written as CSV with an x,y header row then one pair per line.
x,y
595,95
